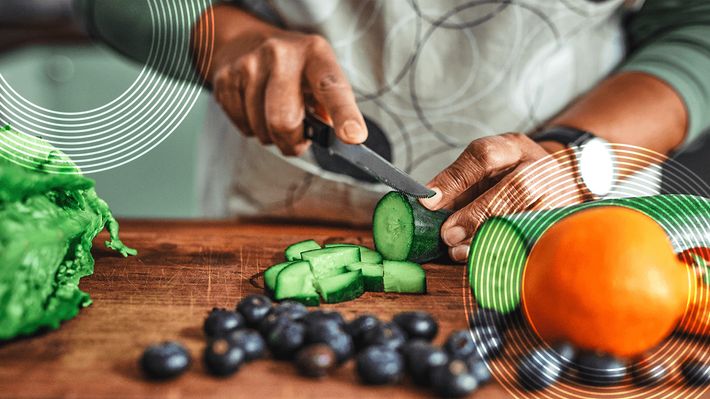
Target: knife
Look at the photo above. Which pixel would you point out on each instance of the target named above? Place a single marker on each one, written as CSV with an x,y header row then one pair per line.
x,y
323,135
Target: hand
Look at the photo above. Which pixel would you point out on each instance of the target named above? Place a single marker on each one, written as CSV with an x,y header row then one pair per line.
x,y
261,80
499,175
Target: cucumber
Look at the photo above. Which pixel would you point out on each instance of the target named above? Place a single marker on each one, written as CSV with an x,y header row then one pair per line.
x,y
295,282
270,276
293,252
372,275
405,230
404,277
500,247
342,287
330,261
366,254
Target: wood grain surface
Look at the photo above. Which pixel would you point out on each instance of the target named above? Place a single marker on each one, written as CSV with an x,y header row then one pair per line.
x,y
182,271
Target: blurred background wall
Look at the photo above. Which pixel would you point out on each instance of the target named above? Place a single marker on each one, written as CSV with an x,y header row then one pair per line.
x,y
73,77
161,184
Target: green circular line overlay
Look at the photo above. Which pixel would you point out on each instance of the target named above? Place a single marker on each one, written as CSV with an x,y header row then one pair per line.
x,y
500,248
130,125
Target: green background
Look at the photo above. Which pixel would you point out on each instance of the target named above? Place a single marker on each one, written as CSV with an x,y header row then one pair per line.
x,y
73,78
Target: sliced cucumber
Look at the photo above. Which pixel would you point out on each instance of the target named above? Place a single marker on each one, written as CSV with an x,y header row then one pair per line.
x,y
330,261
496,263
295,282
366,254
405,230
372,275
293,252
342,287
404,277
270,276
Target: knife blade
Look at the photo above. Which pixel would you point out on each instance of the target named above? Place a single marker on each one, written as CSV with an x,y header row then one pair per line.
x,y
360,156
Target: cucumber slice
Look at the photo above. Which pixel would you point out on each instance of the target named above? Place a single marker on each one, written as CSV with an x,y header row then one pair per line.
x,y
330,261
496,263
342,287
405,230
366,254
372,275
404,277
270,276
293,252
295,282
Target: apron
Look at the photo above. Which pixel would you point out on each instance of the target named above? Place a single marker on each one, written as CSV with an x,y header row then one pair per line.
x,y
434,75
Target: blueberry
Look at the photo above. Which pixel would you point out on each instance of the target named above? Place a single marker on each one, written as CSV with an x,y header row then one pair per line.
x,y
695,372
358,326
315,360
421,357
479,369
254,308
285,339
460,344
271,321
328,333
221,322
324,315
644,373
599,369
488,340
386,334
488,317
250,341
417,324
565,353
294,310
379,365
165,360
539,369
222,358
453,380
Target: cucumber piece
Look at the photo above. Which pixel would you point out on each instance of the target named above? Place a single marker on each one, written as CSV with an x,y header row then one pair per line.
x,y
293,252
295,282
496,265
330,261
404,277
405,230
342,287
500,247
366,254
372,275
270,276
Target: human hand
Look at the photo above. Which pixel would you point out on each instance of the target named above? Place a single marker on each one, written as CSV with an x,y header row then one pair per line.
x,y
499,175
262,78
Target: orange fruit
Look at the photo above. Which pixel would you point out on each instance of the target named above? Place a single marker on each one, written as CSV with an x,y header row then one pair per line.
x,y
605,279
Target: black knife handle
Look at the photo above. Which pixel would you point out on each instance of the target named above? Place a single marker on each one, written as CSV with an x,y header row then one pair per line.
x,y
316,130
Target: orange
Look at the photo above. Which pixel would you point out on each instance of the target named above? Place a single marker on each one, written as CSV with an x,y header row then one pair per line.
x,y
605,279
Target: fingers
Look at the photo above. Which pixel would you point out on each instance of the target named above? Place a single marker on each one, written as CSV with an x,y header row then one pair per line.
x,y
483,158
285,107
511,194
331,89
254,96
228,93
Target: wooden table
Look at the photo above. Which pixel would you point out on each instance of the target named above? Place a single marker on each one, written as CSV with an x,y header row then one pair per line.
x,y
182,271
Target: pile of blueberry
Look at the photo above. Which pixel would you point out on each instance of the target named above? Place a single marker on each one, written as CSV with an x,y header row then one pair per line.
x,y
318,342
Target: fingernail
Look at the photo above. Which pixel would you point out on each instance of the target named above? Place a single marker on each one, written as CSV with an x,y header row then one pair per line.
x,y
454,235
433,201
353,131
460,252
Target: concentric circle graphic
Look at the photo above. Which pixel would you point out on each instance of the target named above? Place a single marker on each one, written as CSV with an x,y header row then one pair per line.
x,y
130,125
498,257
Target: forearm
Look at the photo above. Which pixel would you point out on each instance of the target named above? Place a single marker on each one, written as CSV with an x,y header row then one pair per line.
x,y
225,23
631,108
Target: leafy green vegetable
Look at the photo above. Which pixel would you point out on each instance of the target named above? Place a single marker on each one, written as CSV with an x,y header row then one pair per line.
x,y
49,215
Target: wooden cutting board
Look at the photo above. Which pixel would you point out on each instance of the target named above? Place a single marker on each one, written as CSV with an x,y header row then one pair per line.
x,y
183,270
